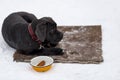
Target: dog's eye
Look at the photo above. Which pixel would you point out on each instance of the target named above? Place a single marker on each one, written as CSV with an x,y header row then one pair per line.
x,y
52,31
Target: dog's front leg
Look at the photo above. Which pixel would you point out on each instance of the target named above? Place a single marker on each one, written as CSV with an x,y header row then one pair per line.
x,y
43,51
50,51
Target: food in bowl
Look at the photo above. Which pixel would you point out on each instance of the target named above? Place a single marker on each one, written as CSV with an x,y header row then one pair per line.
x,y
41,63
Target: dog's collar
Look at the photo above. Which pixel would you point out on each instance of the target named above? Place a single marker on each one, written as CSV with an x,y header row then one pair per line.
x,y
33,35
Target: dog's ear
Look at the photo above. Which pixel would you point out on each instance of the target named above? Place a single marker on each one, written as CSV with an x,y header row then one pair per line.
x,y
41,32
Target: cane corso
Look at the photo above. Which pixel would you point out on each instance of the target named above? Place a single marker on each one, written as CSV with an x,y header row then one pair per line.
x,y
29,35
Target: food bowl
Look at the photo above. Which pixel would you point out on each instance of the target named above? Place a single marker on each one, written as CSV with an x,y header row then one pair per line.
x,y
41,63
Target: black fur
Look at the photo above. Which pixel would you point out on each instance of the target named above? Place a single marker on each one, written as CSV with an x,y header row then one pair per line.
x,y
15,33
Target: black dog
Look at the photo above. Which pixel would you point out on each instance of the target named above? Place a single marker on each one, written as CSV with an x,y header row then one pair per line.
x,y
24,32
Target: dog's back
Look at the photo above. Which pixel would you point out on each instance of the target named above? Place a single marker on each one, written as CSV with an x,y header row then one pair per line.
x,y
10,24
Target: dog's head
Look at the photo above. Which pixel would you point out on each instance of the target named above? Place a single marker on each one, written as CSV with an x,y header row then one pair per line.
x,y
46,31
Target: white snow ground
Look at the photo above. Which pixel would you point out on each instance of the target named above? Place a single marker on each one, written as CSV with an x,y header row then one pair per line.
x,y
67,12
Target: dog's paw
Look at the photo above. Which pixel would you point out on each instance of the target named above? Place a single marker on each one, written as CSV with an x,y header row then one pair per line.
x,y
51,51
56,51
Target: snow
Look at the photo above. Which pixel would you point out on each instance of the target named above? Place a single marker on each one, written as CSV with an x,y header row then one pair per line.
x,y
67,12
